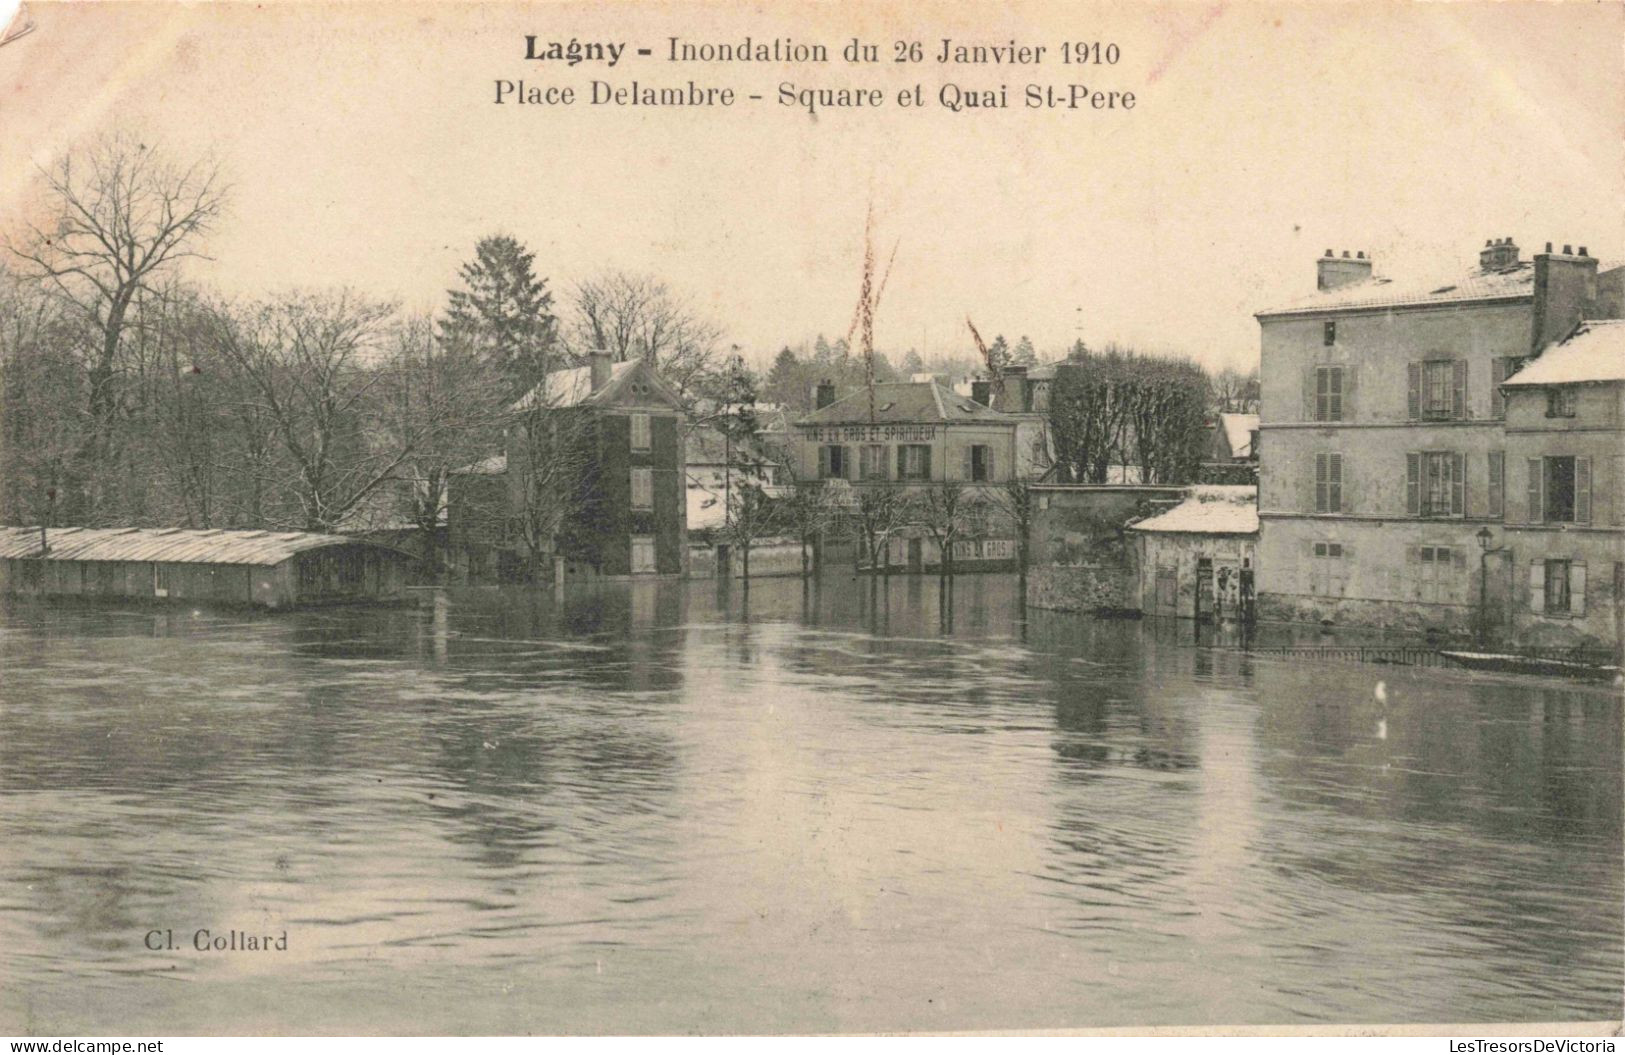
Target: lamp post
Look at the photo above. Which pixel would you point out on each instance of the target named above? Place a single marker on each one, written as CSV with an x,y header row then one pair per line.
x,y
1484,539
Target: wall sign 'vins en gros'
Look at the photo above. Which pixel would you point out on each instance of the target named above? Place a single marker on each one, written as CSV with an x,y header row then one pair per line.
x,y
872,433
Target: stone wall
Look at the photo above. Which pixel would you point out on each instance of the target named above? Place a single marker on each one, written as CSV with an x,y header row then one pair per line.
x,y
1082,587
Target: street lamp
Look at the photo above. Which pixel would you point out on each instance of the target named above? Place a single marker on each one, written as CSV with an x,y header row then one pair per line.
x,y
1484,539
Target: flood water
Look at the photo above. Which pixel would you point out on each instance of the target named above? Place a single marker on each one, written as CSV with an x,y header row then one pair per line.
x,y
664,809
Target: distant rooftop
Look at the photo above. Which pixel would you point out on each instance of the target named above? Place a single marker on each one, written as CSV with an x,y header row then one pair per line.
x,y
570,387
1238,431
164,545
1210,509
898,402
1595,351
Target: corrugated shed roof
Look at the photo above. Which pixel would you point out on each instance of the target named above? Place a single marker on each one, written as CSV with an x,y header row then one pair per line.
x,y
904,401
166,545
1211,509
1595,351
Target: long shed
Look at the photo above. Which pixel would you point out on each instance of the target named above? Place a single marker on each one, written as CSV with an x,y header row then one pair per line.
x,y
272,569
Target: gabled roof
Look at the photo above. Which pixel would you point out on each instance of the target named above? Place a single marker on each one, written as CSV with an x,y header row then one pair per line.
x,y
166,545
1238,432
1595,351
1210,509
572,387
898,402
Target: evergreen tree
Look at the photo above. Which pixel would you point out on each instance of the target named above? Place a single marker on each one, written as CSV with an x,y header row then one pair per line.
x,y
1025,354
503,313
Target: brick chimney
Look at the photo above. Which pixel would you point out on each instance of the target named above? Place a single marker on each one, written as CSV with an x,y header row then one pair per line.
x,y
823,394
1565,289
981,392
1497,254
1017,392
1335,271
599,361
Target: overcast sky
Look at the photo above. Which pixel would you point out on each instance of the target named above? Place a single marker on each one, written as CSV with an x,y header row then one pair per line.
x,y
363,149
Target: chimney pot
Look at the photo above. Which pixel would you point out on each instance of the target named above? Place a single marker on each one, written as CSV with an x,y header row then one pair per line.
x,y
1548,247
1345,254
1360,255
1568,250
1328,252
1488,242
599,365
823,394
1582,250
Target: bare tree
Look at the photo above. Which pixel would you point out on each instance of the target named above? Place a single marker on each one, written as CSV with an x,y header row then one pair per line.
x,y
556,504
441,404
119,215
808,510
308,364
639,317
881,512
949,512
1016,502
752,515
40,429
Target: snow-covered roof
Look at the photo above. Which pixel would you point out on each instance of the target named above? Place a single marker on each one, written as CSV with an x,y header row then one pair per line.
x,y
1513,282
569,387
1210,509
904,401
1595,351
1238,432
495,465
166,545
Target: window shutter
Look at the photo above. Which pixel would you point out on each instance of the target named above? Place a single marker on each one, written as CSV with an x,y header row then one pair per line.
x,y
1320,483
1334,483
1458,391
1498,373
1534,491
1537,586
1309,393
1497,484
1582,490
1413,399
848,463
969,458
1617,490
1413,484
1458,484
823,463
1577,588
901,465
1351,378
987,459
927,452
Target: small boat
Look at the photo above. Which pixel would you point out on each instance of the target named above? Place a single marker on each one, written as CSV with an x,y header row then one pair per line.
x,y
1513,664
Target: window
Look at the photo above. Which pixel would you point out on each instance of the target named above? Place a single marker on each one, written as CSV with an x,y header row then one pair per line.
x,y
1328,335
872,462
1328,575
1560,402
979,463
914,461
1328,393
643,489
832,463
1557,595
1435,484
1437,390
1497,484
643,555
1560,490
1329,550
1437,583
1502,368
1328,482
640,432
